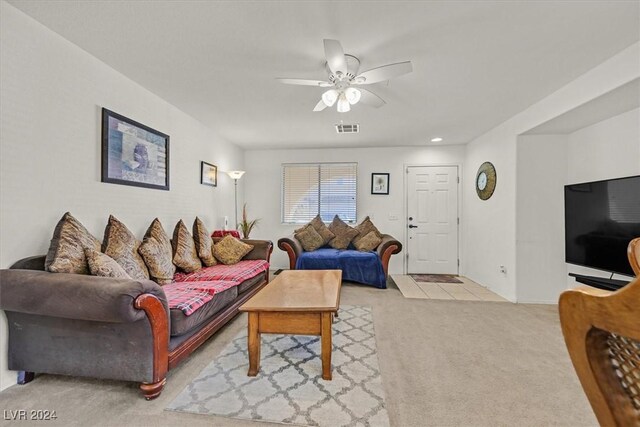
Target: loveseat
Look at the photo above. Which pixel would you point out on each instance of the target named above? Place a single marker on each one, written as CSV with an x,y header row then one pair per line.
x,y
370,268
114,328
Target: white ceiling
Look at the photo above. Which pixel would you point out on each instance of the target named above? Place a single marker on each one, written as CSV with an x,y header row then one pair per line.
x,y
475,63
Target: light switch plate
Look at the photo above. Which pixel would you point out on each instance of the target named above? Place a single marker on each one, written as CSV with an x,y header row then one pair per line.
x,y
393,217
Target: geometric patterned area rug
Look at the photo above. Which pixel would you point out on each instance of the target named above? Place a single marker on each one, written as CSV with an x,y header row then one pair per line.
x,y
435,278
289,388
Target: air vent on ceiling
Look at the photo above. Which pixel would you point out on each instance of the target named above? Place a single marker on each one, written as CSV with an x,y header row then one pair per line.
x,y
341,128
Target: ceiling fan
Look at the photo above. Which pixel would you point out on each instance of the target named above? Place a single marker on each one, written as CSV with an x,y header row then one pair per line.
x,y
344,82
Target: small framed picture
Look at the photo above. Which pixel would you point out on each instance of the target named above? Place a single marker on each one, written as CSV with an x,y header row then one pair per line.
x,y
380,183
208,174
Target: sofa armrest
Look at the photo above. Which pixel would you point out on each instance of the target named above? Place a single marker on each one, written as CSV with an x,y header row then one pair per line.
x,y
31,263
293,248
386,248
75,296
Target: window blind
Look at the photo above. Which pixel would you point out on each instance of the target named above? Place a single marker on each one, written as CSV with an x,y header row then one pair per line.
x,y
327,189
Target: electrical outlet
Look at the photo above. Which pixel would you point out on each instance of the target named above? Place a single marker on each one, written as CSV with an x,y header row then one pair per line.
x,y
503,269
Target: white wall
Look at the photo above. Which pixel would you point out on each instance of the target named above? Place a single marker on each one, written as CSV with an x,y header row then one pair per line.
x,y
52,94
605,150
489,227
263,184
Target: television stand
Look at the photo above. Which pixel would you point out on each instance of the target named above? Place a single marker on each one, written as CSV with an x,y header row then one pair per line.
x,y
600,282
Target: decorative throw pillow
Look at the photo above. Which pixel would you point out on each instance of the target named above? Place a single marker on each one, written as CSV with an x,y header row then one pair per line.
x,y
368,242
121,245
309,238
322,230
204,243
103,265
230,250
66,251
364,228
344,233
185,254
157,253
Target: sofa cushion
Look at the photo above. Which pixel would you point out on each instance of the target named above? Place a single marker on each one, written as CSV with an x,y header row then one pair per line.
x,y
230,250
181,323
103,265
365,227
204,243
238,272
120,244
185,255
190,296
368,242
343,232
309,238
157,253
361,267
250,283
322,229
66,251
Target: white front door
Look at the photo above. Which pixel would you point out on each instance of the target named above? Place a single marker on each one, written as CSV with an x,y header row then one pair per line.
x,y
432,219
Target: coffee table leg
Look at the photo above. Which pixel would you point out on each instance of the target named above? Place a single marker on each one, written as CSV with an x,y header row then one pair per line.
x,y
326,345
254,345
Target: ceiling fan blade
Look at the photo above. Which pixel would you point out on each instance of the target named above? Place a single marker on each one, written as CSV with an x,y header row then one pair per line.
x,y
304,82
383,73
371,99
320,106
335,56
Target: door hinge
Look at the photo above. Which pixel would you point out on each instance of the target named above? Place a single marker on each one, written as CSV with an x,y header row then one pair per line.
x,y
458,220
458,262
407,254
458,180
407,171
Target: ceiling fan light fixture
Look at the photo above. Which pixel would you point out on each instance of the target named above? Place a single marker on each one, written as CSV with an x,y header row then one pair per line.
x,y
353,95
330,97
343,104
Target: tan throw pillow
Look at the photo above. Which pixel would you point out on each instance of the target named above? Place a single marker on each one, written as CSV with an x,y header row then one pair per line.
x,y
103,265
344,234
121,245
322,230
185,255
157,253
230,250
368,242
66,251
204,243
309,238
364,228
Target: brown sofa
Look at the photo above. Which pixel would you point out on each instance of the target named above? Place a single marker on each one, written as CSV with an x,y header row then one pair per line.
x,y
122,329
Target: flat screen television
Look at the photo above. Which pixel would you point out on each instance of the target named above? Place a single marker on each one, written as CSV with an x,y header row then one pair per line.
x,y
601,218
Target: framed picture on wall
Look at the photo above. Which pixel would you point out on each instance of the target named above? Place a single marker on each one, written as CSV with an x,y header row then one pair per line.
x,y
380,183
133,154
208,174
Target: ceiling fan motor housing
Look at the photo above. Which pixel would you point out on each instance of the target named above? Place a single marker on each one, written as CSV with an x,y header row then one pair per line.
x,y
353,65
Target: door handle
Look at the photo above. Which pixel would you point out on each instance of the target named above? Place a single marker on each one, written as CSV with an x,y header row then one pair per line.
x,y
413,226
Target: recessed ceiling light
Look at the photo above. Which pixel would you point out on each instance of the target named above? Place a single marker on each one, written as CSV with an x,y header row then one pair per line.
x,y
438,139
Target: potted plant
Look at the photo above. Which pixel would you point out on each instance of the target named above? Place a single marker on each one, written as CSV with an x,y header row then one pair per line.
x,y
245,225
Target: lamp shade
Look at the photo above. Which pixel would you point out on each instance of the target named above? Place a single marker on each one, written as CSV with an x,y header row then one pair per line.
x,y
353,95
330,97
235,174
343,104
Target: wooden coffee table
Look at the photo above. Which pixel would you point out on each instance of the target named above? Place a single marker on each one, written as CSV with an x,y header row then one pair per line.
x,y
297,302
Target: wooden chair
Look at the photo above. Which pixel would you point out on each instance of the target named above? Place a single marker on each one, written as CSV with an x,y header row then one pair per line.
x,y
602,333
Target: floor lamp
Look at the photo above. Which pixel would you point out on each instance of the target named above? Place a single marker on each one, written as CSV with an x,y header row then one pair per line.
x,y
236,175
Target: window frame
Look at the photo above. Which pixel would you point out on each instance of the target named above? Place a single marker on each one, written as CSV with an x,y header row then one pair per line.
x,y
282,189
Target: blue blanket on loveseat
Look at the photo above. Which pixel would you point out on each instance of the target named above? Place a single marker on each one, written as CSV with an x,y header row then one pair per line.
x,y
356,266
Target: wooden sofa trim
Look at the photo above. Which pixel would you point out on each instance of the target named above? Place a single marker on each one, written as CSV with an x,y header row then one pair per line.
x,y
158,320
291,253
386,256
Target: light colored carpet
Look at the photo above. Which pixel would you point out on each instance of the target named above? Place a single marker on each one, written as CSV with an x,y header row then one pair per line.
x,y
289,388
443,363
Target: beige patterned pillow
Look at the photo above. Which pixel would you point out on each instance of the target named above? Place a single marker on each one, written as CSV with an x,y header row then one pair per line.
x,y
344,233
368,242
230,250
185,254
204,243
322,230
103,265
121,245
157,253
309,238
365,227
66,251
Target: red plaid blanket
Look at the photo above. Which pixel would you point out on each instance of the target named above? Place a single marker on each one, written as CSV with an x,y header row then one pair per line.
x,y
239,272
190,296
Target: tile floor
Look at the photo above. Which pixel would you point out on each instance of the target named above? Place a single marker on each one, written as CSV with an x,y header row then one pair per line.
x,y
468,290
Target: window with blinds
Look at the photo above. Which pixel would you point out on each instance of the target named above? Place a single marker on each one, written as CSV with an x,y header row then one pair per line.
x,y
310,189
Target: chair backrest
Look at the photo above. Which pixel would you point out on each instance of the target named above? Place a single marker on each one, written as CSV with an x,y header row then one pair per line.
x,y
602,333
